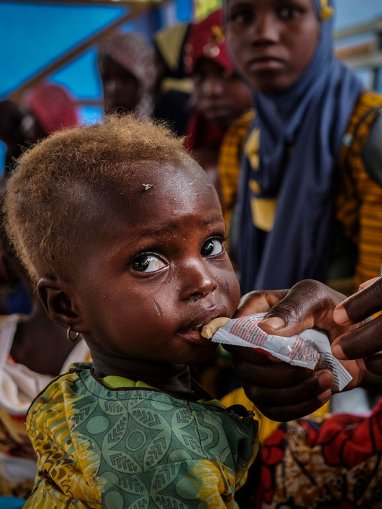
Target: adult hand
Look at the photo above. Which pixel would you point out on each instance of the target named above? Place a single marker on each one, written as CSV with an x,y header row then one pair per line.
x,y
281,391
364,341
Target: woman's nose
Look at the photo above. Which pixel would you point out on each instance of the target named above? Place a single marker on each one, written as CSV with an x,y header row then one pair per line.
x,y
265,28
197,281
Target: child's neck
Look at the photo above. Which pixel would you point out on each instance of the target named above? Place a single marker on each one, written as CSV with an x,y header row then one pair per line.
x,y
159,375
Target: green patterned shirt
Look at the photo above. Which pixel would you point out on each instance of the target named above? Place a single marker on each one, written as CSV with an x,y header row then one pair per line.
x,y
135,447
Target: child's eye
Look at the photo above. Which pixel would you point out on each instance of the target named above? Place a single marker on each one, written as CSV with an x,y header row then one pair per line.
x,y
242,17
147,263
212,247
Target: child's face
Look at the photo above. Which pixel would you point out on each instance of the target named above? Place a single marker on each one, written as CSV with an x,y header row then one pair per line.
x,y
121,89
219,96
272,42
155,269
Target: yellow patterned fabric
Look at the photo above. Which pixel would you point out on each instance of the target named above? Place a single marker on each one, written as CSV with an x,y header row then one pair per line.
x,y
359,201
229,163
135,447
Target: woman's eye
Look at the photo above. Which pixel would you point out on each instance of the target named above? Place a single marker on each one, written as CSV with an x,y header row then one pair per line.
x,y
212,247
289,13
147,263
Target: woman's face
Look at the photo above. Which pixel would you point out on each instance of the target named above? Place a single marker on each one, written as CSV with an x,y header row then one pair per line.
x,y
272,41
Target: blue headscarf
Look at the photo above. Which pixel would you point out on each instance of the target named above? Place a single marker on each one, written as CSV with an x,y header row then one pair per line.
x,y
311,118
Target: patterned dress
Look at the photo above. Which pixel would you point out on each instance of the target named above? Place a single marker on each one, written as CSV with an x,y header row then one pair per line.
x,y
135,447
322,461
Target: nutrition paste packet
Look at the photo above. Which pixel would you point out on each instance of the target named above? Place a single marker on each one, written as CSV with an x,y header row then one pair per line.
x,y
309,349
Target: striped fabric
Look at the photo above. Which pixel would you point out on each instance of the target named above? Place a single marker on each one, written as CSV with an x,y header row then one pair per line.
x,y
359,200
230,161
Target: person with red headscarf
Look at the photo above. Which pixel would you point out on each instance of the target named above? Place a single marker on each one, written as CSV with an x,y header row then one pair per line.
x,y
53,108
220,94
43,110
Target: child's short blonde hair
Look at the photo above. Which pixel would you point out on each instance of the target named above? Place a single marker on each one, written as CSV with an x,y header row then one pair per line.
x,y
46,192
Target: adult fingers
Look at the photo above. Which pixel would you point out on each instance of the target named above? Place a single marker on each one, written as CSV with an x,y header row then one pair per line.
x,y
359,342
307,304
361,305
367,283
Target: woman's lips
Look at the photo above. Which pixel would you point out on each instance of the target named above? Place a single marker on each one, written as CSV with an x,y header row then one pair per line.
x,y
265,64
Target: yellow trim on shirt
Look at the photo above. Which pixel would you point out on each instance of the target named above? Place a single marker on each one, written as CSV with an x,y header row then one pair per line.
x,y
263,212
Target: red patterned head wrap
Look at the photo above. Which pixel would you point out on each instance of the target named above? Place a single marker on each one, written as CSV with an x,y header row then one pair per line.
x,y
206,40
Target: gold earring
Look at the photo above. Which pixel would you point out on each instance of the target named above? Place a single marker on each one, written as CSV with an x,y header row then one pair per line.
x,y
72,335
326,11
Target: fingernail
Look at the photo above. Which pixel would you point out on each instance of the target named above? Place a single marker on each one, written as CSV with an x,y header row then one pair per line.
x,y
325,380
274,322
340,316
325,396
338,352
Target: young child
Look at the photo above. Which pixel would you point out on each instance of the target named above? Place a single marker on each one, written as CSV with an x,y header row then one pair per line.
x,y
123,236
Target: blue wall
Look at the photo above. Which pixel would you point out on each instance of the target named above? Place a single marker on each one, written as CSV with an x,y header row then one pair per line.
x,y
350,12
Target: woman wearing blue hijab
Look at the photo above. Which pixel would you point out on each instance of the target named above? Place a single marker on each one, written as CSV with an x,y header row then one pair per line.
x,y
306,208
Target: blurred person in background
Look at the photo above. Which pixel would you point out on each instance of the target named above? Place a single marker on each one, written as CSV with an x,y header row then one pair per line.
x,y
310,197
173,90
220,94
309,203
127,68
43,110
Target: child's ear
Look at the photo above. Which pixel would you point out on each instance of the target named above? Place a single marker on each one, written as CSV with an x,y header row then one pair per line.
x,y
59,300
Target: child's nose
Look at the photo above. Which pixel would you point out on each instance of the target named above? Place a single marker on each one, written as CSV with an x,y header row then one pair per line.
x,y
197,281
213,86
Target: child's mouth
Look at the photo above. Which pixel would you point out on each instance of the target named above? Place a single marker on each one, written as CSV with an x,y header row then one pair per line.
x,y
194,335
193,331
